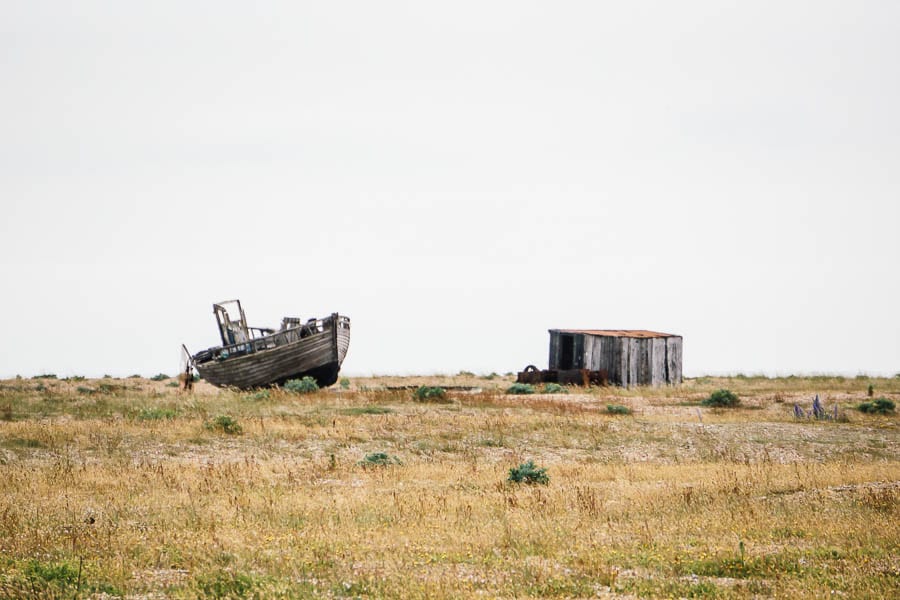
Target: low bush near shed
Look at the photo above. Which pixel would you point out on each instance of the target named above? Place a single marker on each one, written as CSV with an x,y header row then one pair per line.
x,y
722,398
879,406
426,393
520,388
554,388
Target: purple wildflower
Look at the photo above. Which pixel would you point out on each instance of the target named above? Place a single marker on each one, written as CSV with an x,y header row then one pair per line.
x,y
818,411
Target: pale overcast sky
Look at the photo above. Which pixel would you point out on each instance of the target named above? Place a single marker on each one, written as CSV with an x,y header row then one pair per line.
x,y
456,177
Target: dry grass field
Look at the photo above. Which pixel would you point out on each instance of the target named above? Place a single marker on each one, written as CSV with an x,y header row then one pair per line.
x,y
130,487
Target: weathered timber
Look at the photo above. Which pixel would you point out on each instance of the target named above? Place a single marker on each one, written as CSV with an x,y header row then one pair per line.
x,y
628,357
251,357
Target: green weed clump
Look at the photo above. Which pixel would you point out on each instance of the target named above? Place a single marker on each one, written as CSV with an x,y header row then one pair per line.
x,y
617,409
159,377
56,580
224,424
426,393
259,395
554,388
345,383
156,414
520,388
379,459
879,406
301,386
722,398
529,473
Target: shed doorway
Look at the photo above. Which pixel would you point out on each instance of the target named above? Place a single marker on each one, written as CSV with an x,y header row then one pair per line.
x,y
571,348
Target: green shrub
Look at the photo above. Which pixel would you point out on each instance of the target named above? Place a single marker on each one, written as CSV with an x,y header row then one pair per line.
x,y
554,388
379,459
61,574
85,390
135,376
224,424
173,384
528,473
259,395
465,374
160,377
723,398
426,393
879,406
520,388
617,409
45,376
345,383
62,579
156,413
301,386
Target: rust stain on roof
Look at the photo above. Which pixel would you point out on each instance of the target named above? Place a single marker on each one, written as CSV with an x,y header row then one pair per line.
x,y
630,333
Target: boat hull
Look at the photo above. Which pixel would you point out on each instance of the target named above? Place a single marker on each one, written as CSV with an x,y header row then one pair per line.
x,y
319,355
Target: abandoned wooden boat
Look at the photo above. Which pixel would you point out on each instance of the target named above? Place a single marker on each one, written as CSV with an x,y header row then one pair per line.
x,y
252,357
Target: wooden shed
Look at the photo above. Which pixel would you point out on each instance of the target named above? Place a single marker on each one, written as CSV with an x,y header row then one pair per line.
x,y
629,357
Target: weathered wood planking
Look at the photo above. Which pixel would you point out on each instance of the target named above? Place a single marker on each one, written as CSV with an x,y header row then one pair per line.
x,y
644,358
554,352
317,348
263,368
658,361
673,359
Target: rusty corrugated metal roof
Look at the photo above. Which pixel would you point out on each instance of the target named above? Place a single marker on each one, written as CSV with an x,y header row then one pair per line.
x,y
631,333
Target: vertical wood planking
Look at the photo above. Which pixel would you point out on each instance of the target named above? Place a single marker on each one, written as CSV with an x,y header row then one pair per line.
x,y
673,355
658,361
627,360
554,350
634,361
644,363
587,343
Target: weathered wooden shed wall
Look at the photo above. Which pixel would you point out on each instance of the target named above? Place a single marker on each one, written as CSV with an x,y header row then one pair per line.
x,y
630,357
